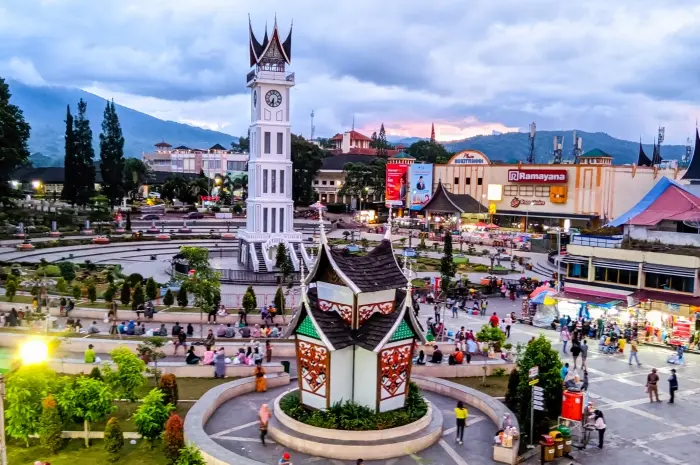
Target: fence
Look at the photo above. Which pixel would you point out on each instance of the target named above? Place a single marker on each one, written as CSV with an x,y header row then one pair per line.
x,y
236,300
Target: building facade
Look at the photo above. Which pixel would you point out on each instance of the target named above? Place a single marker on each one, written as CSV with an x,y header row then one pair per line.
x,y
216,160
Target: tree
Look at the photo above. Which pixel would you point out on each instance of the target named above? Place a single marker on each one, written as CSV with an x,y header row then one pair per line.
x,y
190,455
125,296
173,438
151,416
110,292
77,292
61,286
138,298
168,386
307,159
26,388
112,156
428,152
182,297
92,293
174,187
87,399
382,144
151,289
67,270
447,264
204,283
95,373
11,289
129,374
14,138
135,174
70,165
150,351
363,178
243,144
50,425
128,221
114,439
279,301
84,182
249,300
283,262
168,298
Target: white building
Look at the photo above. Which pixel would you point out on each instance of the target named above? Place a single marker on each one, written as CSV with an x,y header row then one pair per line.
x,y
216,160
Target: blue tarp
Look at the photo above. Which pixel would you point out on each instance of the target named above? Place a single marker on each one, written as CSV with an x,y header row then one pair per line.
x,y
641,206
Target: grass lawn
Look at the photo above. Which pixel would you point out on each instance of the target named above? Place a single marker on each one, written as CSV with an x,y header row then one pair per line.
x,y
18,299
188,388
75,453
495,386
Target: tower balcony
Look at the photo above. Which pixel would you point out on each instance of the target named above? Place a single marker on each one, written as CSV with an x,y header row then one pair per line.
x,y
269,72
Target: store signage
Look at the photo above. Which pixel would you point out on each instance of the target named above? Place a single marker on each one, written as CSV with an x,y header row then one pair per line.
x,y
533,372
209,198
538,403
538,389
469,157
396,185
534,381
537,176
517,202
538,395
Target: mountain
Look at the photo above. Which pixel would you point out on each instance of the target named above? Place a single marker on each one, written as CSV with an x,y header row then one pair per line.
x,y
514,146
406,141
45,110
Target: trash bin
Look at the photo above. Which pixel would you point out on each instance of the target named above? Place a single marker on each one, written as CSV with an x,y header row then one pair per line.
x,y
547,449
566,435
558,443
285,364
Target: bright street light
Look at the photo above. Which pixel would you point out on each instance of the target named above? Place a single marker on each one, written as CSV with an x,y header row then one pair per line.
x,y
34,351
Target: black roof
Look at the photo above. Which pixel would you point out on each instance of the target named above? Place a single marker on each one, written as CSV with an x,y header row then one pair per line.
x,y
643,160
444,201
217,147
337,162
376,271
336,330
693,172
656,157
371,333
182,147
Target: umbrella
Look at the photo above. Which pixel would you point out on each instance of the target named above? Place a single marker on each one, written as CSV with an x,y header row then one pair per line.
x,y
543,297
540,290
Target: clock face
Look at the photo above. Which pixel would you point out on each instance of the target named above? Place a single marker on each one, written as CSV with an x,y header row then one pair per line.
x,y
255,98
273,98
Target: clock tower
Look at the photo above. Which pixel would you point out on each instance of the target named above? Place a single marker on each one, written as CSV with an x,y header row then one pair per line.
x,y
270,209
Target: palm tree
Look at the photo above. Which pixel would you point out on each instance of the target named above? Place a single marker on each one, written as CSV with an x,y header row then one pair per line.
x,y
241,183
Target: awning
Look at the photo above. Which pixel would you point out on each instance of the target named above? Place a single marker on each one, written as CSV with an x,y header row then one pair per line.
x,y
598,301
667,297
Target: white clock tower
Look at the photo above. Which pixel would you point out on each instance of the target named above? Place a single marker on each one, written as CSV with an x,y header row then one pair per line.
x,y
270,209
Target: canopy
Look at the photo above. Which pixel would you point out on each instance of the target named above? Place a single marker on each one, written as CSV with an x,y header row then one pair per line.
x,y
544,297
541,289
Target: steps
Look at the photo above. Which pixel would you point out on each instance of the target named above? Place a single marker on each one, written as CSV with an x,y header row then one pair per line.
x,y
297,251
261,258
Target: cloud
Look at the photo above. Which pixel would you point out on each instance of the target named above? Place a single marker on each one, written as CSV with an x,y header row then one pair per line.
x,y
621,67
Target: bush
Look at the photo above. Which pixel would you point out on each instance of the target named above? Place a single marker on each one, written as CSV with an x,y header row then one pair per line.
x,y
138,297
182,297
129,375
279,301
95,373
61,285
168,298
173,438
92,293
249,300
151,416
134,279
151,289
114,439
110,292
51,271
190,455
490,334
67,270
51,425
77,292
10,289
125,296
168,385
353,417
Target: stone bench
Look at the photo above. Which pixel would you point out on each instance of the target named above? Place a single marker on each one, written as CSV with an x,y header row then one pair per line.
x,y
444,370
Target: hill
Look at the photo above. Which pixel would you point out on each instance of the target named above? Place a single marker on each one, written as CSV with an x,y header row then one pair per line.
x,y
514,146
45,110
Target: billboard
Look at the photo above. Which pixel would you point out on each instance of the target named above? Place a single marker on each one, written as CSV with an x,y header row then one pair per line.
x,y
396,185
538,176
469,157
421,185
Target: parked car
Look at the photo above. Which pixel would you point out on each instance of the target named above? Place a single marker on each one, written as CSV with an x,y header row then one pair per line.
x,y
150,216
193,216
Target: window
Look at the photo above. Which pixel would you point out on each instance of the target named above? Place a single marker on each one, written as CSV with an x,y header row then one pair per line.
x,y
281,183
575,270
281,219
264,219
273,218
541,191
479,181
332,183
468,181
510,190
316,182
324,183
526,191
264,181
456,181
273,184
280,143
235,166
613,275
266,149
669,282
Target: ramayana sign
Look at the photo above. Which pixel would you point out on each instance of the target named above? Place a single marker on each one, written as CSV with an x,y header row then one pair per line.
x,y
538,176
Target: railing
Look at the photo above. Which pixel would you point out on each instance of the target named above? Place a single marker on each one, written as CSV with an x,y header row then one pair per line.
x,y
607,242
293,256
307,258
253,258
250,76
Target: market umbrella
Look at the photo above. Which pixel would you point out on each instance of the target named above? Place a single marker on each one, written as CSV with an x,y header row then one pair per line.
x,y
540,290
492,226
544,297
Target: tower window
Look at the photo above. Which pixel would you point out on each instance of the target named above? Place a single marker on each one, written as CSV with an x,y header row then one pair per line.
x,y
273,217
266,149
281,219
480,181
264,181
273,184
280,143
281,182
468,181
264,219
456,181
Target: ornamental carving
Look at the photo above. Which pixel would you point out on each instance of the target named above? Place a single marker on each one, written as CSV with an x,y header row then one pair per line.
x,y
344,310
394,365
366,311
313,365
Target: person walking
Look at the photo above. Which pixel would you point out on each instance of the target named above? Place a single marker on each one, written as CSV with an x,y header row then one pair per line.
x,y
268,351
565,336
264,418
484,305
633,353
599,422
672,385
575,352
508,323
286,459
461,414
436,311
584,354
652,385
454,308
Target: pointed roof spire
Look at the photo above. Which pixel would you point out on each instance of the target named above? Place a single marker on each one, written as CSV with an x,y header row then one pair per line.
x,y
656,157
693,171
432,133
387,235
642,159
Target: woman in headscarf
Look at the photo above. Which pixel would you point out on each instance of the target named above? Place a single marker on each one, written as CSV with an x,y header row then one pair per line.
x,y
13,318
260,381
220,364
264,417
600,426
256,331
131,328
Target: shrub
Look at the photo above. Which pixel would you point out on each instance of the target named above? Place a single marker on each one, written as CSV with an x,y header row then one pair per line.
x,y
279,301
92,293
173,438
490,334
190,455
110,292
134,279
125,296
114,439
249,300
138,297
51,271
51,425
499,372
151,289
129,374
168,298
151,416
67,270
182,297
10,289
95,373
77,292
61,285
168,385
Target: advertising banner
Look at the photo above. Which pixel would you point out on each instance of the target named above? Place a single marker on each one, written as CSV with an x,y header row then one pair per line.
x,y
396,185
537,176
421,187
469,157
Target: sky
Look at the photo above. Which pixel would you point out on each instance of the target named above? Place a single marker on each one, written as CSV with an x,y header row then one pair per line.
x,y
623,67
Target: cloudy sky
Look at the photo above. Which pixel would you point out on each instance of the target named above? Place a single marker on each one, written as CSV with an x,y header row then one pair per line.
x,y
471,66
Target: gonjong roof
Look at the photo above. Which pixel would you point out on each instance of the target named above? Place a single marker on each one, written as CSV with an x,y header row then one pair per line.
x,y
444,201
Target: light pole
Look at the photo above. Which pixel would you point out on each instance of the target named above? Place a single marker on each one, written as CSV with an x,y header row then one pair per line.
x,y
559,259
410,218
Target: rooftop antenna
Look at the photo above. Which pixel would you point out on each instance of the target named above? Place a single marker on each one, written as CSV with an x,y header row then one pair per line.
x,y
531,139
313,128
558,149
578,148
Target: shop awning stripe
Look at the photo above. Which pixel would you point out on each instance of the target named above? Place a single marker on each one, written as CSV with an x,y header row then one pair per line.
x,y
631,266
574,259
672,270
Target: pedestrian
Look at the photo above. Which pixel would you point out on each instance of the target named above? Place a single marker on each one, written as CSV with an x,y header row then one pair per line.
x,y
564,336
503,291
564,371
494,320
633,353
436,311
484,304
180,341
461,414
652,387
220,364
601,327
264,418
454,308
509,323
584,354
575,352
599,423
286,459
461,336
268,351
672,385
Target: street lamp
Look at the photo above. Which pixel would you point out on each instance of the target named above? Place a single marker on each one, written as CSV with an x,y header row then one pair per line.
x,y
33,352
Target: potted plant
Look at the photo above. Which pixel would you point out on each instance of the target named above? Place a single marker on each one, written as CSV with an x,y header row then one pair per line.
x,y
494,337
508,347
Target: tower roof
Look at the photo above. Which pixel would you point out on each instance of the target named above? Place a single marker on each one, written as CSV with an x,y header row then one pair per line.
x,y
163,144
656,157
217,147
642,160
376,271
693,171
444,201
273,45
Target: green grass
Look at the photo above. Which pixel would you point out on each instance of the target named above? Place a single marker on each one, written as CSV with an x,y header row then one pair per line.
x,y
18,299
75,453
188,388
495,386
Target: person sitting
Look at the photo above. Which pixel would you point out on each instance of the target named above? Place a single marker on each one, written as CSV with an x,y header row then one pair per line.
x,y
221,331
90,354
163,332
245,331
140,330
230,332
437,355
257,357
190,330
122,327
130,328
191,358
458,356
275,332
93,329
256,331
150,332
222,311
240,358
420,360
149,311
208,356
279,330
210,340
